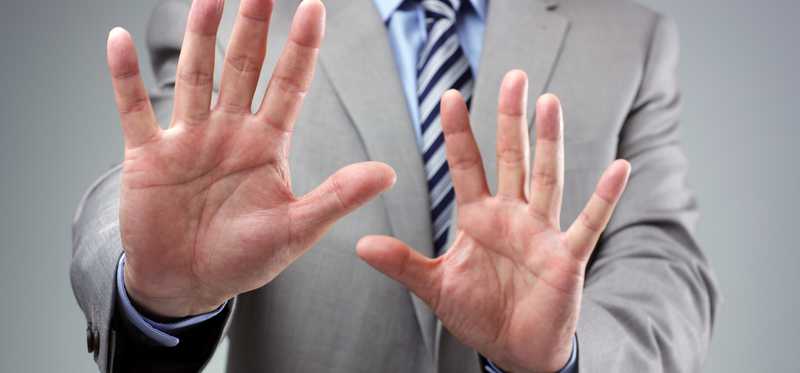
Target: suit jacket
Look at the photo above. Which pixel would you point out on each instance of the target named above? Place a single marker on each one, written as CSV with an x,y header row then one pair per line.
x,y
649,298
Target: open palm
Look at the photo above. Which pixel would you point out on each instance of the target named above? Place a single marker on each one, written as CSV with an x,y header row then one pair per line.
x,y
207,209
510,285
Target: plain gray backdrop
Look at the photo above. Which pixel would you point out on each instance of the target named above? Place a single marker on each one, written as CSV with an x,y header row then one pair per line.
x,y
59,131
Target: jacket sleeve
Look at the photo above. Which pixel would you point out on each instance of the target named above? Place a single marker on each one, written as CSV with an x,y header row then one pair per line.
x,y
650,298
117,346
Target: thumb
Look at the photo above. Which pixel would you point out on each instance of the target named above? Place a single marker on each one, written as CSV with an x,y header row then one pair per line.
x,y
343,192
405,265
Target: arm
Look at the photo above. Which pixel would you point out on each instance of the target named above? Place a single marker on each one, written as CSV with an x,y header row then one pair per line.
x,y
96,247
650,299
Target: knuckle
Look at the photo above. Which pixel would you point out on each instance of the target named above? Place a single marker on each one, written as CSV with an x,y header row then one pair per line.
x,y
195,78
290,86
134,105
281,126
578,254
231,106
338,193
194,118
403,266
590,223
542,215
302,47
511,155
254,17
243,63
456,128
126,74
463,162
546,179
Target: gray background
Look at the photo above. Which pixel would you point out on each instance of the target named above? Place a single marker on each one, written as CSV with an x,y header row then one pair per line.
x,y
58,131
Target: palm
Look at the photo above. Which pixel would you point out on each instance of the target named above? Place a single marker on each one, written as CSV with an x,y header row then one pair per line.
x,y
217,198
207,210
516,286
510,285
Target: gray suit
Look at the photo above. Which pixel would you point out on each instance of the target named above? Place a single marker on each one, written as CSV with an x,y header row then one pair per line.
x,y
649,301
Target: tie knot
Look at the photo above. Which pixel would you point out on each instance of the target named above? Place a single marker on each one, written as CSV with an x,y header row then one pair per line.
x,y
442,8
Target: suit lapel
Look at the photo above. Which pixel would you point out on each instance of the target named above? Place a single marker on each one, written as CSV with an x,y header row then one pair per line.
x,y
358,59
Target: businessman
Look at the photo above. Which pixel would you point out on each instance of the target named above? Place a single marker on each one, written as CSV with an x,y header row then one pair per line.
x,y
411,226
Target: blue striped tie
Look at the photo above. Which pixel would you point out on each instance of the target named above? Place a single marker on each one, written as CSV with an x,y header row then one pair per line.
x,y
442,65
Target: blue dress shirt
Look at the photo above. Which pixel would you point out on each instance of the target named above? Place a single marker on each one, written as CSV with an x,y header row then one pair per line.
x,y
405,23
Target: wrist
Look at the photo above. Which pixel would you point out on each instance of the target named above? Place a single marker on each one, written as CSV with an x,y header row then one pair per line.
x,y
163,307
560,358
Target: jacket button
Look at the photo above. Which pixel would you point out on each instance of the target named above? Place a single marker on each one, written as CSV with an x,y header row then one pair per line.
x,y
92,338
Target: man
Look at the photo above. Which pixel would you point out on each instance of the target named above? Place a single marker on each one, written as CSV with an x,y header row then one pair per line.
x,y
220,238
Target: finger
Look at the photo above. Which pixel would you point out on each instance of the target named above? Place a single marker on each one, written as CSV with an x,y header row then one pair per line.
x,y
195,74
548,163
295,68
513,146
341,193
584,232
135,111
245,56
405,265
463,155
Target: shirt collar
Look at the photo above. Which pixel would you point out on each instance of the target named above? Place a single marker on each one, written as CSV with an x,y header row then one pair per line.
x,y
387,7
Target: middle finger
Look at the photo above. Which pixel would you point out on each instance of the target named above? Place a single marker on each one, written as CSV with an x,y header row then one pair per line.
x,y
245,55
513,145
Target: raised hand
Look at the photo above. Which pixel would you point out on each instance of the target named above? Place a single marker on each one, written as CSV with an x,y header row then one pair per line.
x,y
207,209
511,284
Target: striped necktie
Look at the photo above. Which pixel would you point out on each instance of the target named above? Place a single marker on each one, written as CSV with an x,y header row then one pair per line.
x,y
442,65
